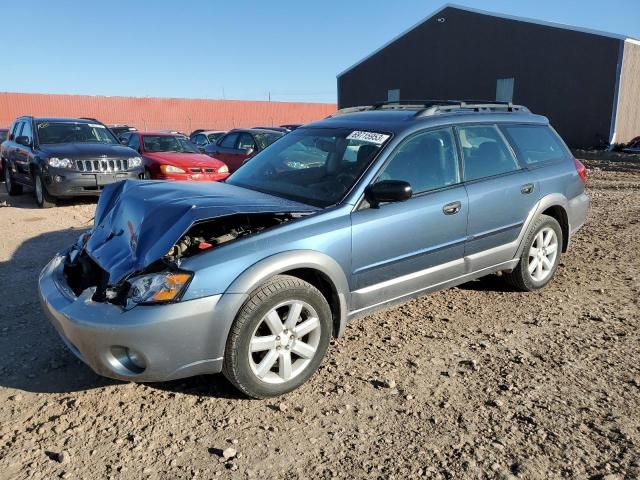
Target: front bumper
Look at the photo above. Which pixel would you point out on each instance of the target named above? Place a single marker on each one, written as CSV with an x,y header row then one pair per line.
x,y
174,341
62,182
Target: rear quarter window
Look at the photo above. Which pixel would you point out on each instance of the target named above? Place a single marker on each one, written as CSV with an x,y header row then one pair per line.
x,y
536,143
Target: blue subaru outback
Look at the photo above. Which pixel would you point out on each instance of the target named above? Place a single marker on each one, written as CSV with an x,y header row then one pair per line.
x,y
363,210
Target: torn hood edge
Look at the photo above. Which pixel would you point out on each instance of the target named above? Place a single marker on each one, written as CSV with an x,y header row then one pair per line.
x,y
137,222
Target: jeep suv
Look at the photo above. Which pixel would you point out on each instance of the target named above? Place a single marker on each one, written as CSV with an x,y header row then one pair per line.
x,y
64,157
337,219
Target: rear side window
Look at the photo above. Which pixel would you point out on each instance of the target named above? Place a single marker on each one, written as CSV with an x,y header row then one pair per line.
x,y
536,143
485,152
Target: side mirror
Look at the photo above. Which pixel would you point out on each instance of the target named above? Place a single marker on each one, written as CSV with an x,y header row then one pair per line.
x,y
124,141
249,151
388,191
23,140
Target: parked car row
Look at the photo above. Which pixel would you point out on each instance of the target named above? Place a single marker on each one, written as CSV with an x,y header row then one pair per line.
x,y
68,157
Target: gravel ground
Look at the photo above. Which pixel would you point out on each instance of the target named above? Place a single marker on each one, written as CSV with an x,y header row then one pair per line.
x,y
474,382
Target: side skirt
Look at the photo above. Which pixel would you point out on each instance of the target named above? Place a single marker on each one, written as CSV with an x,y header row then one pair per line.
x,y
387,304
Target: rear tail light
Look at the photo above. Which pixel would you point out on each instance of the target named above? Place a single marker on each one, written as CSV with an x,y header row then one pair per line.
x,y
581,169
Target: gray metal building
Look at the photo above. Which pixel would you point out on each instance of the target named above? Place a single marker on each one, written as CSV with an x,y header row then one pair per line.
x,y
587,82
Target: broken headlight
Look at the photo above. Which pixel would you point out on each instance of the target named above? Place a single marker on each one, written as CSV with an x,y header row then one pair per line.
x,y
157,287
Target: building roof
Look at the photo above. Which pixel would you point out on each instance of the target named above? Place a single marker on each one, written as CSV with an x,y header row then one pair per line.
x,y
497,15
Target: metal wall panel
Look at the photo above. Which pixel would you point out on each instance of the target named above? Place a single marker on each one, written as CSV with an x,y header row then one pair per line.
x,y
628,115
567,75
162,113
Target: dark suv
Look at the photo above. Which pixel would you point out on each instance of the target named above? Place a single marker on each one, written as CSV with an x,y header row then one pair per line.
x,y
64,157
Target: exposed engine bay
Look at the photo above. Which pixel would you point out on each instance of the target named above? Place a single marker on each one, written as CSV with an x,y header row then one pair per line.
x,y
210,234
82,272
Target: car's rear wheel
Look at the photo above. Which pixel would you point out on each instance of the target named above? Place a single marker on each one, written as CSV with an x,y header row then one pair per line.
x,y
540,256
12,187
43,198
279,338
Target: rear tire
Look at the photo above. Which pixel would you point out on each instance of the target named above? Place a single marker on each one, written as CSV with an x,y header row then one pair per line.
x,y
12,187
43,198
278,339
540,256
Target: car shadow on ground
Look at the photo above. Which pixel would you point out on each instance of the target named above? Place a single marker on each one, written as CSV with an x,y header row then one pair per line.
x,y
490,283
34,358
27,199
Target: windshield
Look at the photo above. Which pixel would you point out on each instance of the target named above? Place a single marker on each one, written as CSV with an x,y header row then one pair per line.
x,y
74,132
265,139
317,166
168,143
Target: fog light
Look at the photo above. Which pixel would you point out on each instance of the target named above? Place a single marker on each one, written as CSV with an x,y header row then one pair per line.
x,y
136,359
127,361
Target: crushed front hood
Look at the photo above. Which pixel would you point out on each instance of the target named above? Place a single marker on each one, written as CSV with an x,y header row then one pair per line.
x,y
137,222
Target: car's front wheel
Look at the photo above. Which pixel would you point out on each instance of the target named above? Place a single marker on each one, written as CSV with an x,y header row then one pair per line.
x,y
540,256
279,338
43,198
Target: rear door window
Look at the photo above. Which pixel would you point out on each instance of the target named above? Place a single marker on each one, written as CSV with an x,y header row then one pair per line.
x,y
246,141
536,143
485,152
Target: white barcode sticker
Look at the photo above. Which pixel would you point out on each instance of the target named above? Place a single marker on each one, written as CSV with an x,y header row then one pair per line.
x,y
373,137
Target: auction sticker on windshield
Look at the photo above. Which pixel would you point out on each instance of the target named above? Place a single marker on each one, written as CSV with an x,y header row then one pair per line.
x,y
377,138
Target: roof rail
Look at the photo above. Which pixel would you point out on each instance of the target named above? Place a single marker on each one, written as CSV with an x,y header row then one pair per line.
x,y
430,107
89,118
473,105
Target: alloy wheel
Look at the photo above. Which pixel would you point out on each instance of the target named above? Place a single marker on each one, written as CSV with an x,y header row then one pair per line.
x,y
284,342
542,254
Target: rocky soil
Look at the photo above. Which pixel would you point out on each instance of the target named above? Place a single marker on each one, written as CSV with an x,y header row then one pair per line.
x,y
475,382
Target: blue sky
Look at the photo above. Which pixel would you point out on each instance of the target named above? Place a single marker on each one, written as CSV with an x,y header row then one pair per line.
x,y
233,49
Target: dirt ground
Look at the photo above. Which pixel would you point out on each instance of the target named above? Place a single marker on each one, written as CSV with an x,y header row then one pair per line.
x,y
474,382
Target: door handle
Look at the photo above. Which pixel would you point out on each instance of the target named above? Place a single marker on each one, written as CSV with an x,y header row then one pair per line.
x,y
526,188
452,208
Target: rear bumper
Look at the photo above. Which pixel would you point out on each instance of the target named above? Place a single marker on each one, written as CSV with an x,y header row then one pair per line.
x,y
174,341
64,183
578,210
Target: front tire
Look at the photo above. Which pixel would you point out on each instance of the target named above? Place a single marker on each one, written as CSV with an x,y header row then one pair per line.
x,y
278,339
540,256
12,187
43,198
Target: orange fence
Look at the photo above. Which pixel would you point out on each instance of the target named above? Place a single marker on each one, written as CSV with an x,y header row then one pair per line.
x,y
162,113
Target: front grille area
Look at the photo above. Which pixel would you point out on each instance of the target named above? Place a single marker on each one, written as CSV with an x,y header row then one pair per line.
x,y
103,165
202,170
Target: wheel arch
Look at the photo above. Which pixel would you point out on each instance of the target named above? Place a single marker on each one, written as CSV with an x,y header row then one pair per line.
x,y
316,268
554,205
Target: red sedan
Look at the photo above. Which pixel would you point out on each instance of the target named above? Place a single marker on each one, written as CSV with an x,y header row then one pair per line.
x,y
167,156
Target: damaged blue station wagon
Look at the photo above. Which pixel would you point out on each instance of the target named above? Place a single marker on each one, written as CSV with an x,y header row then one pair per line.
x,y
368,208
